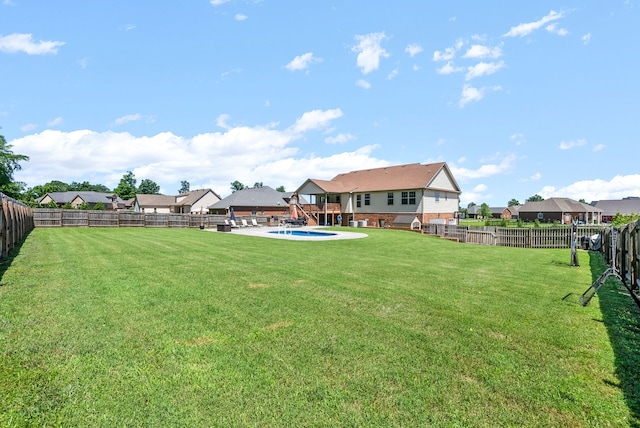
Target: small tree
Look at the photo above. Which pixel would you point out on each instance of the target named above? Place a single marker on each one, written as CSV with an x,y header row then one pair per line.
x,y
126,189
99,206
66,206
535,198
485,211
148,187
513,202
236,185
280,189
184,187
84,206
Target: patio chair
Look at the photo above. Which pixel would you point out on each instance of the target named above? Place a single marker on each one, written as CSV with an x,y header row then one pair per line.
x,y
255,223
244,223
234,224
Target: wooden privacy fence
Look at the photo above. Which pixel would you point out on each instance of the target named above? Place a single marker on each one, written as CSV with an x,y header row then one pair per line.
x,y
16,222
627,252
49,217
523,237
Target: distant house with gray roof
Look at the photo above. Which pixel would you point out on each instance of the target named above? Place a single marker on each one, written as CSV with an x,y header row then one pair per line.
x,y
625,206
256,201
561,210
194,202
76,198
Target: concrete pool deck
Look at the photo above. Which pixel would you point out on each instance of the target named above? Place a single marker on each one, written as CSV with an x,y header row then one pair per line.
x,y
264,232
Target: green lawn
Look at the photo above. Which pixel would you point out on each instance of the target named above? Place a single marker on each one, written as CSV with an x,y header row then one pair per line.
x,y
179,327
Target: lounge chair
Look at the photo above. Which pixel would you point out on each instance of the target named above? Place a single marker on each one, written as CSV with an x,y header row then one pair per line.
x,y
244,223
234,224
255,223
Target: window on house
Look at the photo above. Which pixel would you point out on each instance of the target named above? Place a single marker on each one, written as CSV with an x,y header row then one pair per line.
x,y
437,196
412,198
358,201
390,198
367,199
405,198
338,198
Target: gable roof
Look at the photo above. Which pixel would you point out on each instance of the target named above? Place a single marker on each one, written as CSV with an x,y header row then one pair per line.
x,y
255,197
88,196
183,199
193,196
625,206
409,176
564,205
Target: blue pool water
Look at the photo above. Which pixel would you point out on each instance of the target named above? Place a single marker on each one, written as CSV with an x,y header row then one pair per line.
x,y
309,233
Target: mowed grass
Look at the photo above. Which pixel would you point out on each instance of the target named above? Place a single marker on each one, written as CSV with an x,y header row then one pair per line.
x,y
177,327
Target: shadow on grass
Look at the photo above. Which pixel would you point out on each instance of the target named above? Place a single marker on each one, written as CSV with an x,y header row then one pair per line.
x,y
5,262
621,316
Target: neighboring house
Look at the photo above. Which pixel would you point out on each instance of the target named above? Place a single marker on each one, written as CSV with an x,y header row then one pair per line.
x,y
379,195
75,198
496,212
194,202
562,210
257,201
514,212
625,206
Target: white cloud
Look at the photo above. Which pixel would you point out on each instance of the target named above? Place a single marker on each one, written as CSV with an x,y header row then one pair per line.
x,y
221,121
244,153
413,49
302,62
483,69
415,67
470,93
505,164
55,122
449,53
313,120
218,2
25,43
586,38
481,51
339,139
363,84
240,17
28,127
525,29
599,147
476,194
126,119
393,74
518,139
618,187
535,177
370,51
448,68
566,145
553,28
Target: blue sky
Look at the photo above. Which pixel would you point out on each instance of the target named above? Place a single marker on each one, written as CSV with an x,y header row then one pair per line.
x,y
539,98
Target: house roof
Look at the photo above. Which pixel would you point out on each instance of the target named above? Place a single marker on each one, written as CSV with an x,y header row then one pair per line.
x,y
193,196
87,196
255,197
184,199
625,206
409,176
155,200
564,205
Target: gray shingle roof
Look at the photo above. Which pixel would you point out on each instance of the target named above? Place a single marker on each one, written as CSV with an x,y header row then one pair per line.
x,y
555,205
255,197
625,206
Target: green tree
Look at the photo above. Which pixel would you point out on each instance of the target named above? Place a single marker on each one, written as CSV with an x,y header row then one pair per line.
x,y
66,206
513,202
99,206
184,187
126,189
582,200
148,187
84,206
535,198
280,189
9,163
471,204
85,186
485,211
257,185
236,185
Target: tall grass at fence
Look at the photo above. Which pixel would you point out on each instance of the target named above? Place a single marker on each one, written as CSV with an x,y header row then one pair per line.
x,y
186,327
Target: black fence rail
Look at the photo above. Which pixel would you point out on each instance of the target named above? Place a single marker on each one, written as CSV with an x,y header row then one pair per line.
x,y
16,222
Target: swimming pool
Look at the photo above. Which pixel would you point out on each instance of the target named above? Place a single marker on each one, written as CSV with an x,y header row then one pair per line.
x,y
309,233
